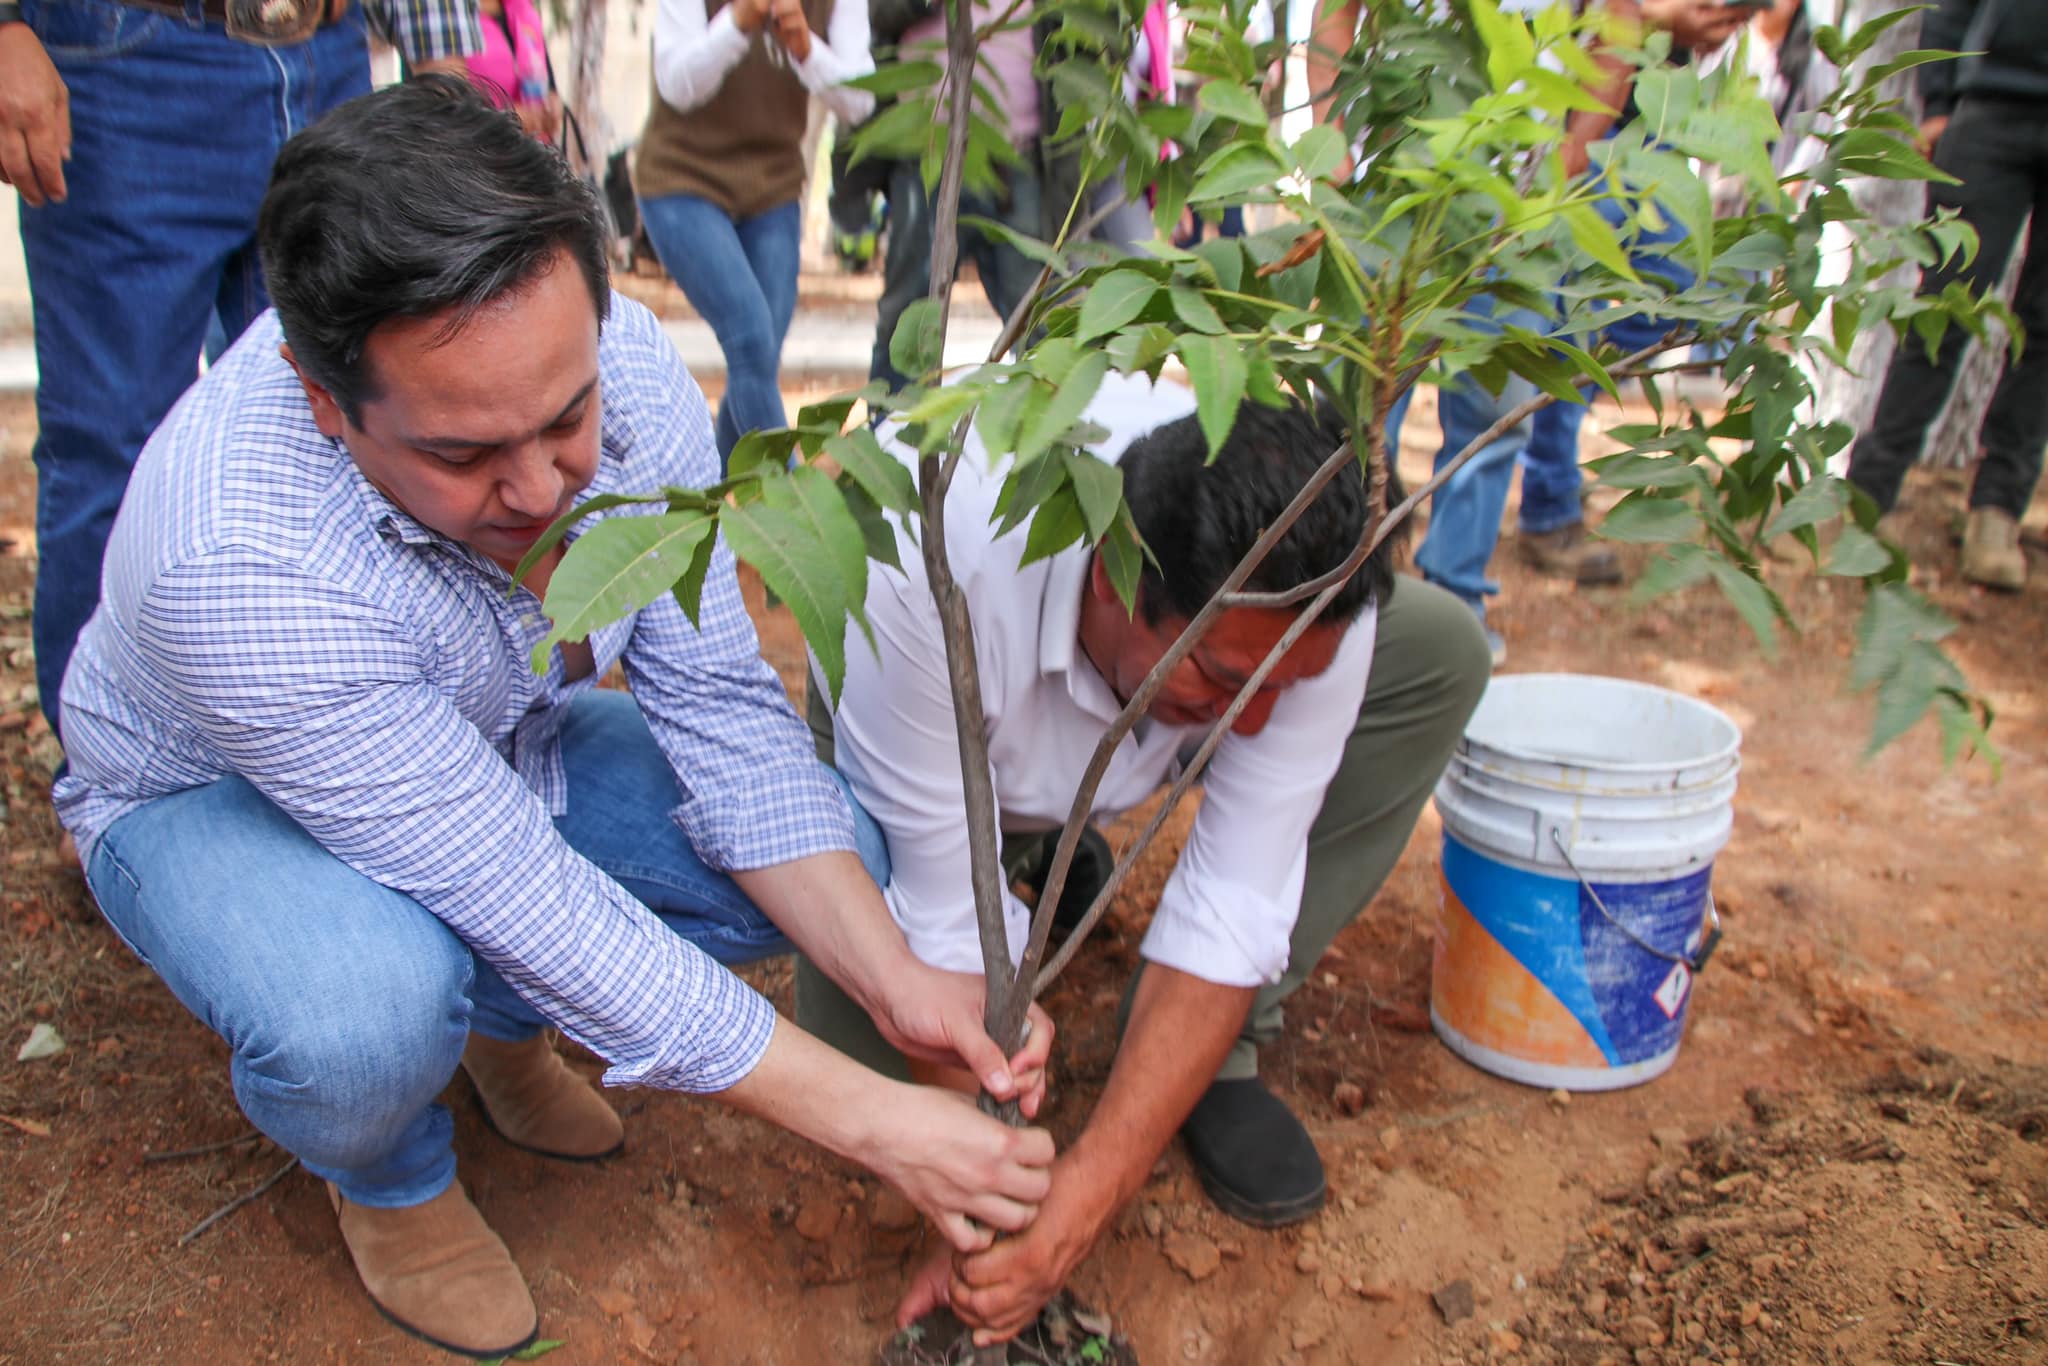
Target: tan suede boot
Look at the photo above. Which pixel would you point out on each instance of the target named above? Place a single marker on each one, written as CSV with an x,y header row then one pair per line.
x,y
1566,553
1991,550
535,1102
437,1271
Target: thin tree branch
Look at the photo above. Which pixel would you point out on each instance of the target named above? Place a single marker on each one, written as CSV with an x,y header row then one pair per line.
x,y
231,1206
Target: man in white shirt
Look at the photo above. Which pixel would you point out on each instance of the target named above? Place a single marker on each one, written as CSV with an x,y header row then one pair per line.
x,y
1306,807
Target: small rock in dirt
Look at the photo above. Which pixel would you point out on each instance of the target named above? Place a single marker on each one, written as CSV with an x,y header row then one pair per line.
x,y
1671,1138
1454,1301
1309,1262
1349,1098
1379,1292
1308,1335
1751,1312
1506,1342
1560,1097
817,1220
1390,1138
639,1331
616,1303
1153,1218
1195,1255
1728,1185
891,1212
1765,1321
1595,1305
1332,1285
43,1042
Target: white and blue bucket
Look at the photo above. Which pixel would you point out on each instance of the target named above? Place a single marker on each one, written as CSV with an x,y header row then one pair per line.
x,y
1581,819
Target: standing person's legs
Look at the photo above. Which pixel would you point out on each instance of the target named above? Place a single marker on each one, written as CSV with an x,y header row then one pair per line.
x,y
1006,273
701,246
1551,478
1465,514
174,128
773,242
906,264
1988,148
1429,668
2016,424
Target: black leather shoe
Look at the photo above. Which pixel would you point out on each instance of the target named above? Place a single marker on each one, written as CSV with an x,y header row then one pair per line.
x,y
1254,1158
1093,863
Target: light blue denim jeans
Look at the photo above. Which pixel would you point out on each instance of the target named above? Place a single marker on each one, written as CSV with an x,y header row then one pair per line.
x,y
740,275
347,1004
174,127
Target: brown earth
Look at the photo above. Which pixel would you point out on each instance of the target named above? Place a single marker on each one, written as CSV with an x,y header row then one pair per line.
x,y
1846,1165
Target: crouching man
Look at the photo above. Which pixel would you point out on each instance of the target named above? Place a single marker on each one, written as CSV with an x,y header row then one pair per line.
x,y
318,786
1307,805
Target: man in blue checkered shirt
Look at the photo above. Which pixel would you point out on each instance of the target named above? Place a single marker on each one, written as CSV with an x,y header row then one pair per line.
x,y
319,788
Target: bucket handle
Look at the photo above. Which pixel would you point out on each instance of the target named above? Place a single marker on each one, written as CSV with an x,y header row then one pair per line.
x,y
1695,963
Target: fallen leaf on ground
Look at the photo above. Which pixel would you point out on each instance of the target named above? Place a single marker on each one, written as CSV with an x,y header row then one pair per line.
x,y
33,1127
43,1042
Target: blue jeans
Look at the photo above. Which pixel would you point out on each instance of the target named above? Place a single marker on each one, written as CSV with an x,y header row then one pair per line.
x,y
173,130
740,276
347,1004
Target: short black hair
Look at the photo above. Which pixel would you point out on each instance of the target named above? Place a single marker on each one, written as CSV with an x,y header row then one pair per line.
x,y
404,203
1200,517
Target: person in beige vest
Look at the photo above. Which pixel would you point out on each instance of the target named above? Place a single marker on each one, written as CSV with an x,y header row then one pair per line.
x,y
720,170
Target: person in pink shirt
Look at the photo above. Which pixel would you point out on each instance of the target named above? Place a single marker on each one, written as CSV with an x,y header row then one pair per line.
x,y
513,67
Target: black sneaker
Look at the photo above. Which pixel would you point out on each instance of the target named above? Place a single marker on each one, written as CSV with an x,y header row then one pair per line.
x,y
1093,863
1255,1160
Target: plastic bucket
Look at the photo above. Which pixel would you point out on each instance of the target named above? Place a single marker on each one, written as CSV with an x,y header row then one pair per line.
x,y
1581,819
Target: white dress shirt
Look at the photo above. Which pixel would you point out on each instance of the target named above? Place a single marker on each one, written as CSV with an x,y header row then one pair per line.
x,y
1228,910
693,55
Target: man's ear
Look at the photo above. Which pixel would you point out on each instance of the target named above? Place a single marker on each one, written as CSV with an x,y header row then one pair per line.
x,y
327,414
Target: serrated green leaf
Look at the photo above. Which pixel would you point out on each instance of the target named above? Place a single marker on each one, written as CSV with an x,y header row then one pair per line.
x,y
883,477
1057,524
1597,238
1319,151
1227,99
1217,368
1632,470
1895,617
894,78
1822,498
1236,169
1671,569
1099,488
1225,256
1639,519
560,527
689,589
615,569
814,561
1003,409
1123,558
1758,605
876,530
1022,243
1028,483
1194,310
1043,426
1112,301
1858,554
919,341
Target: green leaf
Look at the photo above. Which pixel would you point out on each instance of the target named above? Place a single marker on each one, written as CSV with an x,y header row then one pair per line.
x,y
1894,618
1672,568
883,477
1640,519
1758,605
876,530
809,550
1236,169
919,342
615,569
1123,559
1216,366
1597,238
1194,310
1003,410
1112,301
1025,245
1823,497
1042,427
1858,554
894,78
1631,470
1227,99
552,537
1099,488
1057,524
689,589
1319,151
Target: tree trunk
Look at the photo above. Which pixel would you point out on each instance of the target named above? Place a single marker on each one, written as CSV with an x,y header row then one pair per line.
x,y
1850,395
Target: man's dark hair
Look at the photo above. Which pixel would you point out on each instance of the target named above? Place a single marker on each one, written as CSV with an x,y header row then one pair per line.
x,y
1200,517
404,203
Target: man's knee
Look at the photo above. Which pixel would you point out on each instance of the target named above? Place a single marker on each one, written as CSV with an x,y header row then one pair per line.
x,y
1444,651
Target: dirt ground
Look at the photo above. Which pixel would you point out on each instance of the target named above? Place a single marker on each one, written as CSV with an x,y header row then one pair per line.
x,y
1846,1165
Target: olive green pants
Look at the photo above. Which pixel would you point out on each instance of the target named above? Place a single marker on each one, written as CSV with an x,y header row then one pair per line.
x,y
1429,666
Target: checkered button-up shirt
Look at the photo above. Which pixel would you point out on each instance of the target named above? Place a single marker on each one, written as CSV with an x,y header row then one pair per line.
x,y
425,30
266,612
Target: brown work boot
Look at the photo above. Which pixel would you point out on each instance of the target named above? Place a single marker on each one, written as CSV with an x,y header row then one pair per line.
x,y
535,1102
1567,553
1991,550
437,1271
